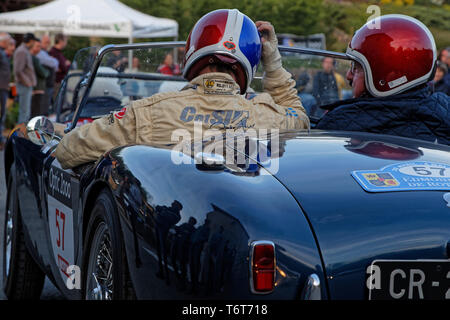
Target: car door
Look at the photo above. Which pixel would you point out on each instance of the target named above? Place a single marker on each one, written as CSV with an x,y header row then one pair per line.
x,y
62,224
29,161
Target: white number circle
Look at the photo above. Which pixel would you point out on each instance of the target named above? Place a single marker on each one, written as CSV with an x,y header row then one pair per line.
x,y
427,170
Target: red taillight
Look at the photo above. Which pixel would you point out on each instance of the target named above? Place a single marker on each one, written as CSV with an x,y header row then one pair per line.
x,y
262,266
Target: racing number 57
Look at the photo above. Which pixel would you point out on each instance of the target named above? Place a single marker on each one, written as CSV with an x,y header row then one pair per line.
x,y
62,218
424,172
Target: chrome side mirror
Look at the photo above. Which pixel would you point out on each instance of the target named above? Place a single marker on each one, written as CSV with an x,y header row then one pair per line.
x,y
40,130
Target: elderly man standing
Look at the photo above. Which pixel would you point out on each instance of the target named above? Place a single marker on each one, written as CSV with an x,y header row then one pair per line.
x,y
25,76
51,64
5,75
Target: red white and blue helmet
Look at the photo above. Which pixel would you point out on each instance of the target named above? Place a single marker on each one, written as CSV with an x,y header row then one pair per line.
x,y
224,37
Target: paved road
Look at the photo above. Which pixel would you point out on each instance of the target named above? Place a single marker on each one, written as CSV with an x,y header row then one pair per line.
x,y
49,292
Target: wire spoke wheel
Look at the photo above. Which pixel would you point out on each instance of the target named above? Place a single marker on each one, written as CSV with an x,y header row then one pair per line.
x,y
100,283
107,276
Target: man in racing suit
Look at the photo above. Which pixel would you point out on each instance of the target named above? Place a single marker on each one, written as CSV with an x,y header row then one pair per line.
x,y
213,96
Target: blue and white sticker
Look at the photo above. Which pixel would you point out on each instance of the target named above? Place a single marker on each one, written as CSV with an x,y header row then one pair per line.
x,y
406,176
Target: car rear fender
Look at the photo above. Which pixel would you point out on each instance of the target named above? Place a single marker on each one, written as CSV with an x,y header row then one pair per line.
x,y
237,207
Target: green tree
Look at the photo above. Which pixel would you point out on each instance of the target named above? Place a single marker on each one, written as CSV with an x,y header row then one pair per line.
x,y
288,16
338,20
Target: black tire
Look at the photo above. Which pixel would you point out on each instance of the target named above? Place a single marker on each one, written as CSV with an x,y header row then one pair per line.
x,y
25,279
104,229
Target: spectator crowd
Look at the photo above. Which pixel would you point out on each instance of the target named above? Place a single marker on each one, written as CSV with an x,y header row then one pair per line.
x,y
32,73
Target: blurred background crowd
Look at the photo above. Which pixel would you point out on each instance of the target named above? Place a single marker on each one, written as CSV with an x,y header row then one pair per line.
x,y
30,73
32,66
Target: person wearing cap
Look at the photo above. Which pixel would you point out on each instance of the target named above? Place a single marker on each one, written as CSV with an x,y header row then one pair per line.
x,y
24,76
391,68
220,72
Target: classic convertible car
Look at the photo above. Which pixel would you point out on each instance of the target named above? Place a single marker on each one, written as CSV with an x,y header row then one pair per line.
x,y
291,215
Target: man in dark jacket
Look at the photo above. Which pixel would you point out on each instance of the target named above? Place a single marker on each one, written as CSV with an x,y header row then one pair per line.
x,y
63,63
325,88
389,84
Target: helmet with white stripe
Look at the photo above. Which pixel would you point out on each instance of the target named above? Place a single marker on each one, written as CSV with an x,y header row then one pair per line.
x,y
226,37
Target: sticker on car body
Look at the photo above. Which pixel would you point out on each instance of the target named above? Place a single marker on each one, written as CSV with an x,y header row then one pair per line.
x,y
406,176
60,219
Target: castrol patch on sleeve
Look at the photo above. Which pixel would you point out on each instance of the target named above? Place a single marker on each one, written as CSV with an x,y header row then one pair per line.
x,y
120,114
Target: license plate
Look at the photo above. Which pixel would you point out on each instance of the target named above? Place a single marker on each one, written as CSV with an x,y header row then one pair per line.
x,y
409,280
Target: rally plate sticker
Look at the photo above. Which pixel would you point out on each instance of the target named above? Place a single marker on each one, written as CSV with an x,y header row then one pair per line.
x,y
60,219
406,176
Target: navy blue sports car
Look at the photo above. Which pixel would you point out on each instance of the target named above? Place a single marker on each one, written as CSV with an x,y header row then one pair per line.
x,y
294,215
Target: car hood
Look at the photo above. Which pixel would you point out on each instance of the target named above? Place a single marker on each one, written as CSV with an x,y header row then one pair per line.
x,y
353,226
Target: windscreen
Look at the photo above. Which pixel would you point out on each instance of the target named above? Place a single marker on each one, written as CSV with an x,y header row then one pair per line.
x,y
122,77
126,75
69,91
320,80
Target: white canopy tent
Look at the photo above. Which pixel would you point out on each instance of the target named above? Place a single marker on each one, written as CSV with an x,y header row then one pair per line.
x,y
88,18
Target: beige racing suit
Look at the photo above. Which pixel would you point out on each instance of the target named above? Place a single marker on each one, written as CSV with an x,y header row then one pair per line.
x,y
211,98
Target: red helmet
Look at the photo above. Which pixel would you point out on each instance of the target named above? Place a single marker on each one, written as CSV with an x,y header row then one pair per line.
x,y
397,53
224,37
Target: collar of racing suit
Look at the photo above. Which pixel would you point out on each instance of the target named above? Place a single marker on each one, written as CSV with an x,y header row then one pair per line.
x,y
214,83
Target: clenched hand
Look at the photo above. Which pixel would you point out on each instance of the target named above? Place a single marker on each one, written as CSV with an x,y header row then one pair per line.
x,y
270,58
